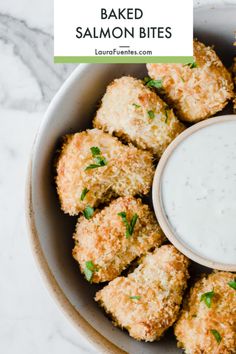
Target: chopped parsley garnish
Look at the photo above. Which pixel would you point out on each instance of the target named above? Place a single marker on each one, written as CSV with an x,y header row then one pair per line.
x,y
191,65
136,297
147,79
96,165
166,114
88,212
153,83
232,284
151,114
182,79
95,151
217,335
129,226
207,298
99,160
136,105
84,192
89,270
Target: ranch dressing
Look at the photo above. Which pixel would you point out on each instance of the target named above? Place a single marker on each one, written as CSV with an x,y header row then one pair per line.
x,y
199,192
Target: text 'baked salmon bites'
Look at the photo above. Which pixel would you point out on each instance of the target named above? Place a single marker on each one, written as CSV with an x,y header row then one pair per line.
x,y
94,166
107,243
147,301
132,111
207,323
198,90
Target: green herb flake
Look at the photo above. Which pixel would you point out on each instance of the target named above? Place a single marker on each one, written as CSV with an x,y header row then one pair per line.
x,y
167,116
151,114
182,79
147,79
136,297
207,298
89,270
153,83
88,212
217,335
92,166
83,194
100,161
133,222
124,219
95,151
136,105
232,284
129,226
192,65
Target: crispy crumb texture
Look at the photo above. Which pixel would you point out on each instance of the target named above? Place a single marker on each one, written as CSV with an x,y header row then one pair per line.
x,y
103,239
197,321
196,93
126,170
132,111
147,302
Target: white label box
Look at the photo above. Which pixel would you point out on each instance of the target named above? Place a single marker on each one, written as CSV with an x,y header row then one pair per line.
x,y
124,31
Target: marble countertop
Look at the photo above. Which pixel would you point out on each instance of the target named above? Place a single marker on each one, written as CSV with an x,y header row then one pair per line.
x,y
30,322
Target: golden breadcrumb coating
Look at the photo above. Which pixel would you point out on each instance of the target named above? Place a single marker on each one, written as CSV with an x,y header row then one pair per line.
x,y
103,240
128,170
132,111
197,322
199,92
147,301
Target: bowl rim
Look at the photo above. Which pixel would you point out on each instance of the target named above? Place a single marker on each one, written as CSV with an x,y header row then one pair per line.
x,y
102,344
157,199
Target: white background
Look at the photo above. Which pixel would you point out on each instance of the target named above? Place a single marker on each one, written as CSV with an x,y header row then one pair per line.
x,y
70,14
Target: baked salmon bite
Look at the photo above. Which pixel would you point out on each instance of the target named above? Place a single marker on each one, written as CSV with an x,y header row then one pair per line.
x,y
94,166
147,301
207,323
196,91
107,243
134,112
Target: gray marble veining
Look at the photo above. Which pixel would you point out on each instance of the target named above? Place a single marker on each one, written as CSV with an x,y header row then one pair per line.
x,y
29,320
34,49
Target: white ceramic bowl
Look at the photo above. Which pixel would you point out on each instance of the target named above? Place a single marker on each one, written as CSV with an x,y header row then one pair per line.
x,y
50,230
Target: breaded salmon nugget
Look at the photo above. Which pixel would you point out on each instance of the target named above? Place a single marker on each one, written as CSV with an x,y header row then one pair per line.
x,y
135,113
147,302
106,244
196,91
207,324
94,166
